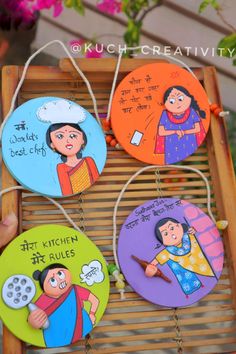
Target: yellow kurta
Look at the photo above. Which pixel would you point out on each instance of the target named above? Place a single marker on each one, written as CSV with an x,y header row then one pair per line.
x,y
195,260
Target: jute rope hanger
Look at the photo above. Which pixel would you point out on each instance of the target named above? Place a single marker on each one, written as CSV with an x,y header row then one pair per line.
x,y
221,224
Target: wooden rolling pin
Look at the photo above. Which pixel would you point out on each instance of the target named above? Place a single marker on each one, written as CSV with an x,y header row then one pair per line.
x,y
144,265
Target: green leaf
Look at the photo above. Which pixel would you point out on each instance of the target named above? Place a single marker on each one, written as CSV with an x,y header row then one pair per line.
x,y
126,8
78,6
133,7
234,62
204,4
228,44
132,35
68,3
215,4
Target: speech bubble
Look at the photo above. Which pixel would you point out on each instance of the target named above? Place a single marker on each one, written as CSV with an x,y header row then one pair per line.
x,y
92,273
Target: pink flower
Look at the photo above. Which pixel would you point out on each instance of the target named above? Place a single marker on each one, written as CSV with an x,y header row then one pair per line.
x,y
44,4
48,4
94,52
58,8
87,48
17,14
78,42
24,13
110,7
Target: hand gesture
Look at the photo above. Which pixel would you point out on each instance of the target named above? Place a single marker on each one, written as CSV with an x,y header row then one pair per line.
x,y
191,230
151,270
8,229
92,318
37,318
180,133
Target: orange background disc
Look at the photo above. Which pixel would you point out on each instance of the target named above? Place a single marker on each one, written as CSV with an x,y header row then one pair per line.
x,y
137,108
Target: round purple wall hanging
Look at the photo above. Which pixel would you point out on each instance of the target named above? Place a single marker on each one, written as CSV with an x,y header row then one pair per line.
x,y
182,244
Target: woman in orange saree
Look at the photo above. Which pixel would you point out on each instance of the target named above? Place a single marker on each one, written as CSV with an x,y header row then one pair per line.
x,y
75,173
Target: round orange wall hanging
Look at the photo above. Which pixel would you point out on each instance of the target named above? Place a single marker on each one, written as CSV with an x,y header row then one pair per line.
x,y
160,113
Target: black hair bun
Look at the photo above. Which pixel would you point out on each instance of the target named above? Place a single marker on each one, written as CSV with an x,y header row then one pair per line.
x,y
202,114
36,275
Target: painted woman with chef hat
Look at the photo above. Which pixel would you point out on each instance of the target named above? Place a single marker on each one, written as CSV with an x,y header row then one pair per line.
x,y
64,136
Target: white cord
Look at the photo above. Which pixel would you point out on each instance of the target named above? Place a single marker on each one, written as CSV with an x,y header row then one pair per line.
x,y
221,114
60,207
113,85
10,189
14,97
138,173
118,68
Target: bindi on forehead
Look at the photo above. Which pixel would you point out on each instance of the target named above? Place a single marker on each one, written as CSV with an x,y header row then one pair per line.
x,y
64,129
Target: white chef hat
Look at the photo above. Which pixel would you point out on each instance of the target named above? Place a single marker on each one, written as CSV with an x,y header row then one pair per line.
x,y
61,111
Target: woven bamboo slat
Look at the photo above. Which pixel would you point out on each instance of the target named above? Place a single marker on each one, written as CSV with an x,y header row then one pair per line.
x,y
134,325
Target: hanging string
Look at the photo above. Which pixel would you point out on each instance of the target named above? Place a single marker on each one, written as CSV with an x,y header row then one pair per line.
x,y
120,285
221,113
158,183
87,344
81,212
149,168
56,41
113,87
114,272
26,66
58,205
178,337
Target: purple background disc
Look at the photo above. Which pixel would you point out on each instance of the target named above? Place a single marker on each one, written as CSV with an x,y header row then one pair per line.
x,y
194,265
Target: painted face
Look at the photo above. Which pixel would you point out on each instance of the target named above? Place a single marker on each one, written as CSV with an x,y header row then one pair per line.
x,y
172,233
57,282
67,140
177,102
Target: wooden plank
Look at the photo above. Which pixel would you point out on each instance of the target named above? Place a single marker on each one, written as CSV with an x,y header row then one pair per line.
x,y
167,324
160,336
89,215
40,73
10,201
109,64
225,178
105,65
90,205
160,345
